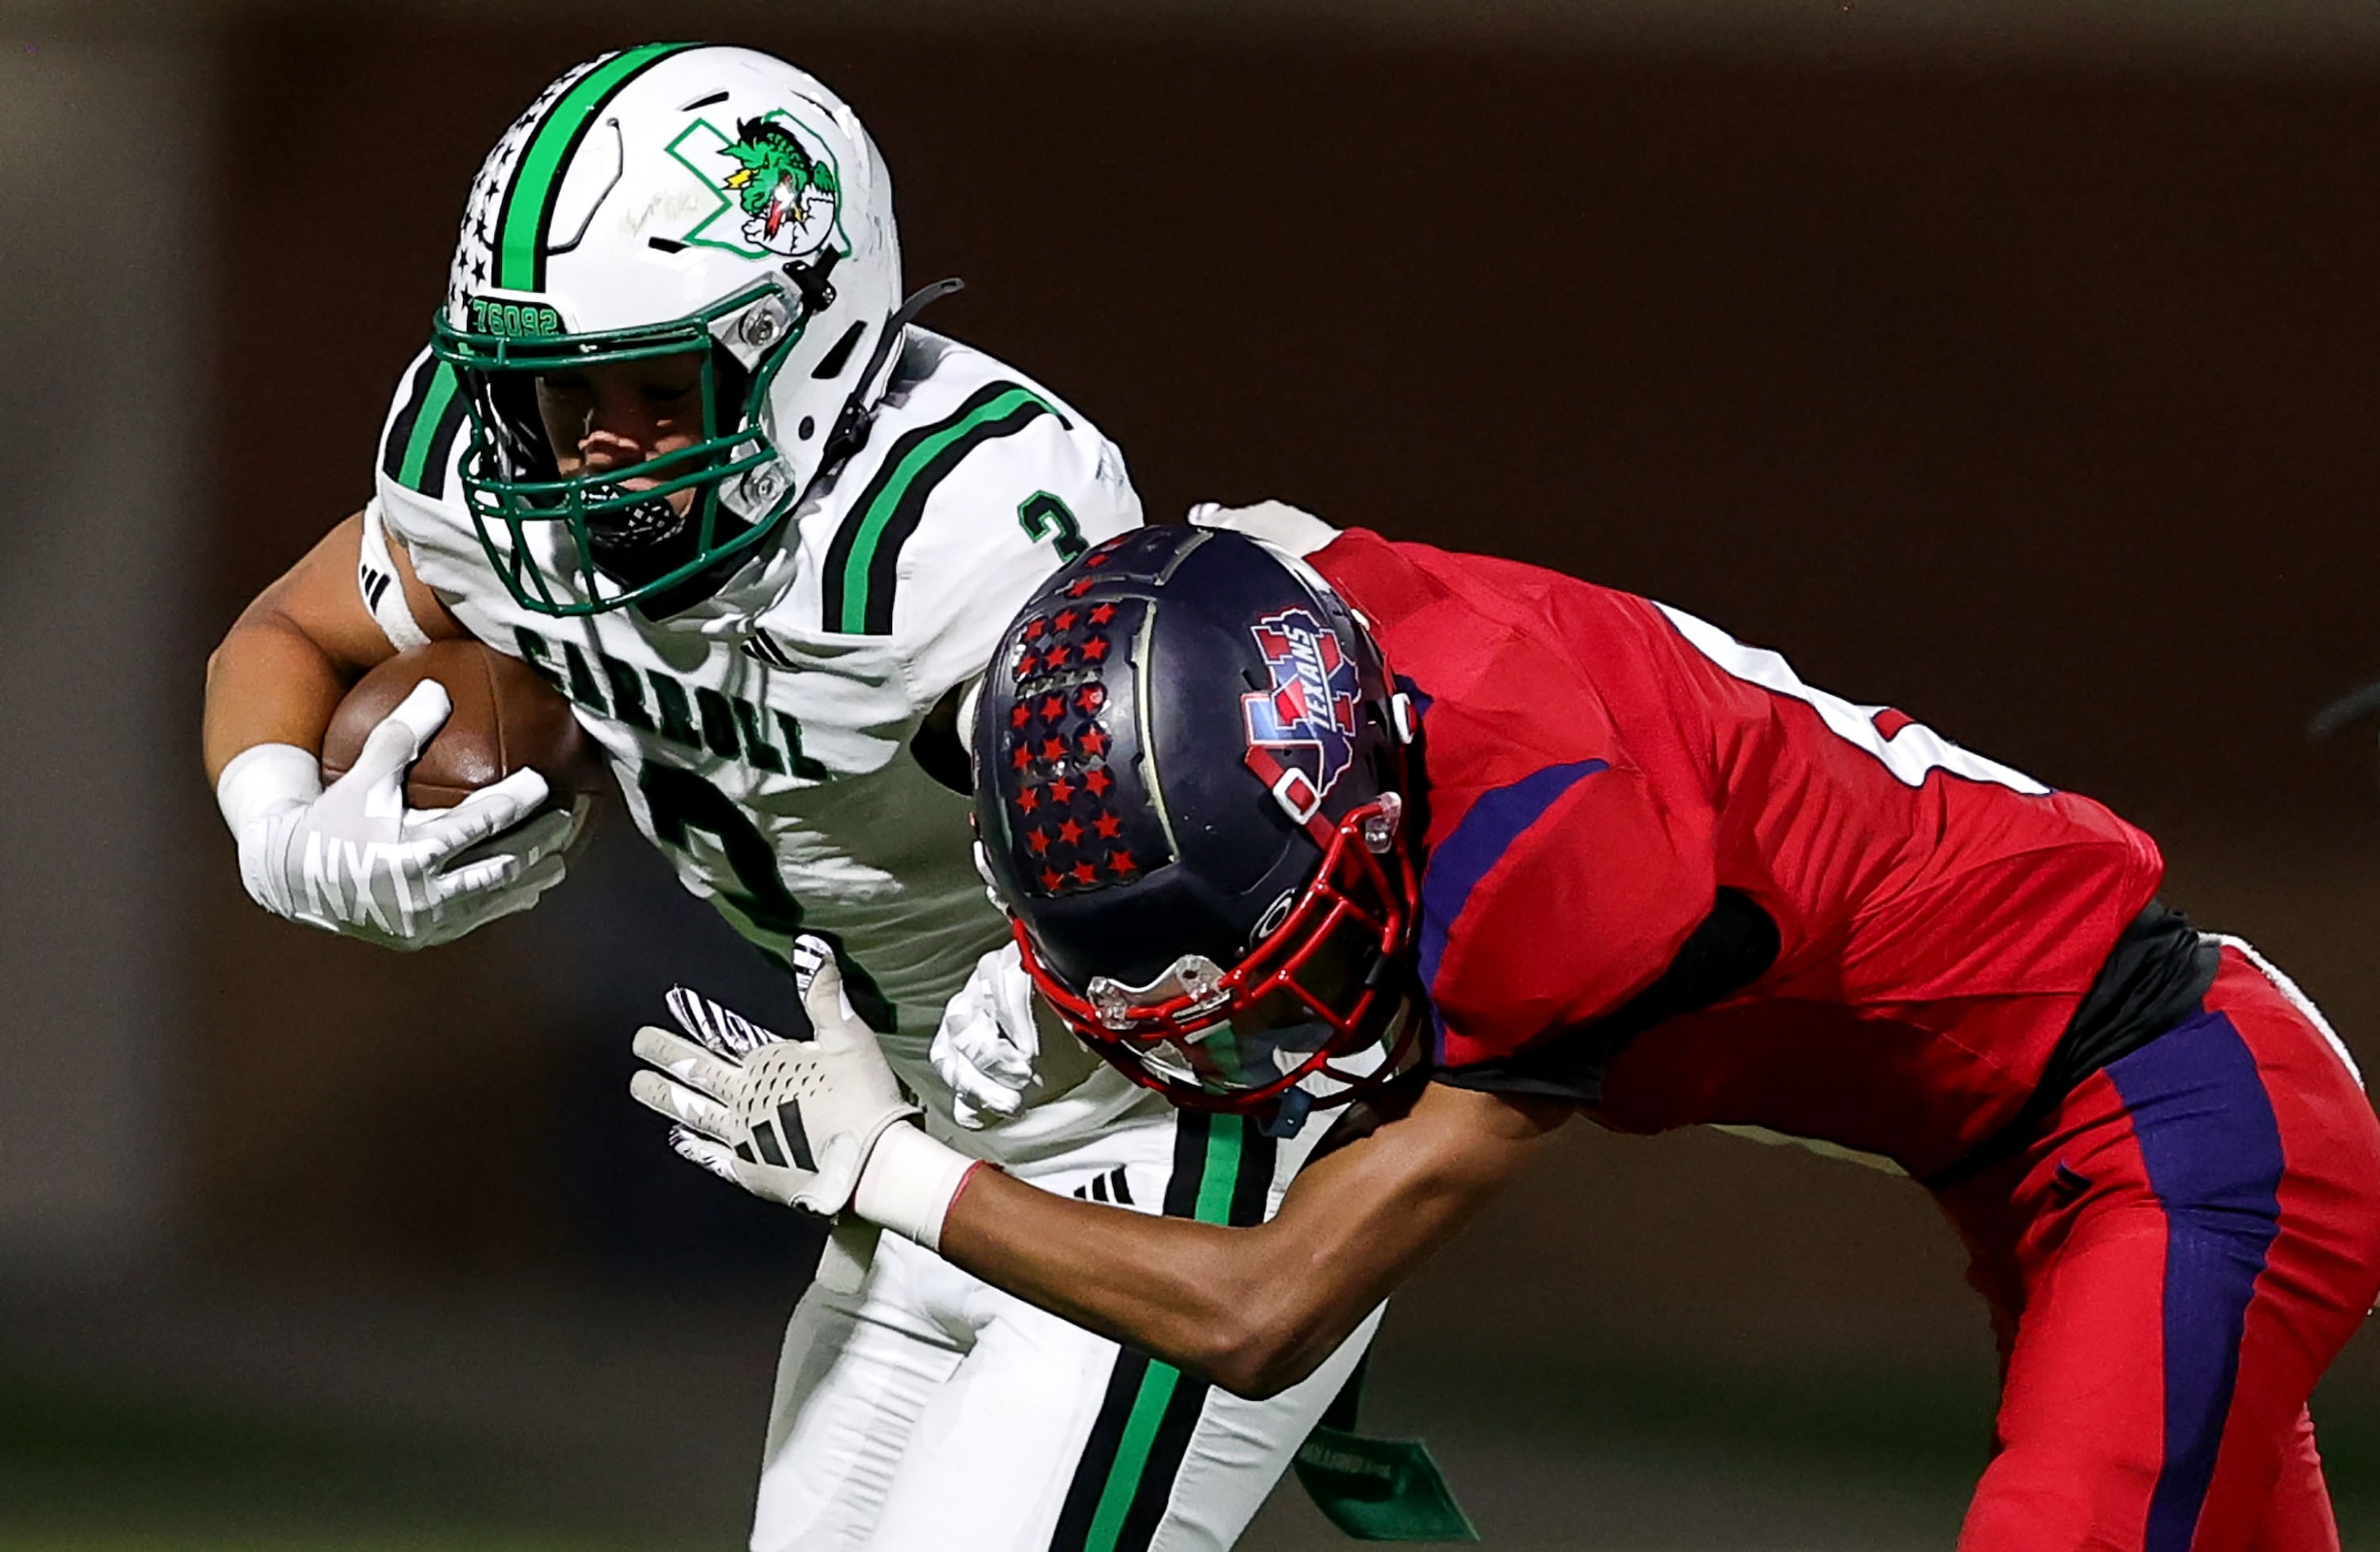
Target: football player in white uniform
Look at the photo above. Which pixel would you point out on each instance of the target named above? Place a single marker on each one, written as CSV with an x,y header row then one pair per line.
x,y
676,444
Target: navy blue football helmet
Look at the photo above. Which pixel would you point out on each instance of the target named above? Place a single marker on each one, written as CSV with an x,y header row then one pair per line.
x,y
1192,798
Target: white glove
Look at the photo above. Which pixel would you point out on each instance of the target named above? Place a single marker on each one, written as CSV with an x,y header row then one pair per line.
x,y
809,1123
354,859
987,1043
1277,523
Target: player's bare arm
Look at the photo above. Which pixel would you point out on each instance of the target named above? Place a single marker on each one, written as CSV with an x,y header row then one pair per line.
x,y
1542,850
1252,1309
278,678
350,858
1255,1309
667,402
281,669
294,651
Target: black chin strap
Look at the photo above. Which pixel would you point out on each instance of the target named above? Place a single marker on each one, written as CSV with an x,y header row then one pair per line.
x,y
810,280
850,432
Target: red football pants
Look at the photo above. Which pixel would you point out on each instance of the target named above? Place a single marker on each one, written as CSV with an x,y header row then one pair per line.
x,y
2170,1269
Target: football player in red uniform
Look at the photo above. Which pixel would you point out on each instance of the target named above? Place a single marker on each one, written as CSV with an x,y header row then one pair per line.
x,y
1478,847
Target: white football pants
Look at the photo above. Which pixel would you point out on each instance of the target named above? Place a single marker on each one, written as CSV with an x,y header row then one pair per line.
x,y
931,1412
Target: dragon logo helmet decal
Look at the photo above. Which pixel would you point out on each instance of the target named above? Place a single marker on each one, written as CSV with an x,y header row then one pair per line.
x,y
669,201
788,196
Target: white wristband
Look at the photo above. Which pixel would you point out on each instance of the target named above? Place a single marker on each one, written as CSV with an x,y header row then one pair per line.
x,y
909,1183
264,776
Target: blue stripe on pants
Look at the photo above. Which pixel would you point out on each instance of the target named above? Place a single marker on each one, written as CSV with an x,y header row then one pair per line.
x,y
2213,1153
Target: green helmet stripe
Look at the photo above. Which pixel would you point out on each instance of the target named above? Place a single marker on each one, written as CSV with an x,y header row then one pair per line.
x,y
863,563
537,181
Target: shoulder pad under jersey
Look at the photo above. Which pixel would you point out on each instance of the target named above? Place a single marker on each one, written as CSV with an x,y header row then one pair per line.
x,y
416,474
976,484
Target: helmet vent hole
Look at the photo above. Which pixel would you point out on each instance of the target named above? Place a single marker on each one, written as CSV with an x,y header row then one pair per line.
x,y
805,428
831,364
665,245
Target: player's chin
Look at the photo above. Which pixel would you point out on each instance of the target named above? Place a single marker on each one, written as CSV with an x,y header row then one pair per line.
x,y
641,539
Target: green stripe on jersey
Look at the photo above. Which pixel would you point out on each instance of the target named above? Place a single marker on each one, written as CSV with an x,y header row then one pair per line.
x,y
919,464
1217,1177
520,233
422,445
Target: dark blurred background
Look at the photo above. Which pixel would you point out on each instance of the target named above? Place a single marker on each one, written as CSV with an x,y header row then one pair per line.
x,y
2011,363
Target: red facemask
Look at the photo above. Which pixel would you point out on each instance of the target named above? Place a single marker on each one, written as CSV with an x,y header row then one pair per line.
x,y
1319,995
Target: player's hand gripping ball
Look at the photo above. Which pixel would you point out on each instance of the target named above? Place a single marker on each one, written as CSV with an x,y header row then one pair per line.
x,y
790,1121
473,838
503,718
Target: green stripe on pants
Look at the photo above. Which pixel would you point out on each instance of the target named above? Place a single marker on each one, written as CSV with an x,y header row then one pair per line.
x,y
1215,1181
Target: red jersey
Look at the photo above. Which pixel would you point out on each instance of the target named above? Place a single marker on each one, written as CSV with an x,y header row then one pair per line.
x,y
1743,900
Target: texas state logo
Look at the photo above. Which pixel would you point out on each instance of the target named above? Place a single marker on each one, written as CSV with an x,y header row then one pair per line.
x,y
775,191
1307,718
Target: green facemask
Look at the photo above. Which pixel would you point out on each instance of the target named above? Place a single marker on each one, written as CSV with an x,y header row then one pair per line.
x,y
591,543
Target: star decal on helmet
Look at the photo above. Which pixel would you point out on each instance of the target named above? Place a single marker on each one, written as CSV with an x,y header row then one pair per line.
x,y
1058,745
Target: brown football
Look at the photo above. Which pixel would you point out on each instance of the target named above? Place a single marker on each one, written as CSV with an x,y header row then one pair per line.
x,y
505,717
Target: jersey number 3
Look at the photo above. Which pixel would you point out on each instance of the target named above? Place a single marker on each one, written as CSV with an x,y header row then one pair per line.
x,y
682,803
1041,515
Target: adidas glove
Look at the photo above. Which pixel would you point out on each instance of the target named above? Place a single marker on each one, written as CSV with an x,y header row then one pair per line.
x,y
810,1123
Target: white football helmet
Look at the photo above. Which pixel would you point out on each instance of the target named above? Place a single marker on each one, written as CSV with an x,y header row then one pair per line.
x,y
661,199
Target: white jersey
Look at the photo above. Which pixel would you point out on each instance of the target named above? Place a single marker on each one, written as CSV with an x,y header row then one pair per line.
x,y
761,737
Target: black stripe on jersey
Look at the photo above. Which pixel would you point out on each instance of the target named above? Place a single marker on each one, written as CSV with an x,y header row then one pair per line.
x,y
758,646
906,489
400,431
441,446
